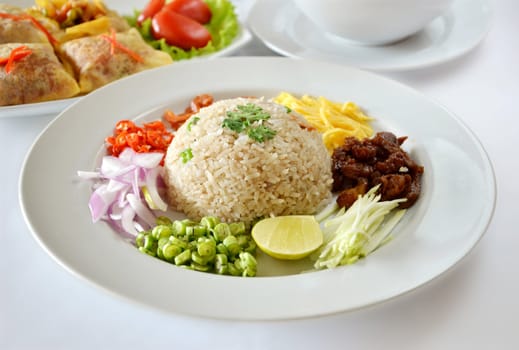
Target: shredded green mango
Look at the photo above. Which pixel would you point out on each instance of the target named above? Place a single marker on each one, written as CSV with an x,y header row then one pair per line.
x,y
224,27
354,233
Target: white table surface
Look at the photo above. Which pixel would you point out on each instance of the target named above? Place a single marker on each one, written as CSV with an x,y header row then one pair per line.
x,y
472,306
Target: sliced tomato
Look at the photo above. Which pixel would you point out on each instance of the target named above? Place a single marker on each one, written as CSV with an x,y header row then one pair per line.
x,y
150,10
194,9
179,30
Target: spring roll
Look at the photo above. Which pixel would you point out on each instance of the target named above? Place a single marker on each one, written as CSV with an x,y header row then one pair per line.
x,y
38,77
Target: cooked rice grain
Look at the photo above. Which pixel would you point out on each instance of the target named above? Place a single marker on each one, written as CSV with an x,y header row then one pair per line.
x,y
235,178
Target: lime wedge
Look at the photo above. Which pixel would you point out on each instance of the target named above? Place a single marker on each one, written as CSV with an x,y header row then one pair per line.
x,y
288,237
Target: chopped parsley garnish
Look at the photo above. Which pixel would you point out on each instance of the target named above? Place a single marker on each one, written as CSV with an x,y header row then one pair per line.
x,y
260,133
186,155
288,109
249,118
236,125
192,122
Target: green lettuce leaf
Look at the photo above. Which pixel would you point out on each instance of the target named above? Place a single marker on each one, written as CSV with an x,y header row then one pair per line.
x,y
224,27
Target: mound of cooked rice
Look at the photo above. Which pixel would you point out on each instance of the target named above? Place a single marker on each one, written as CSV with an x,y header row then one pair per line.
x,y
236,178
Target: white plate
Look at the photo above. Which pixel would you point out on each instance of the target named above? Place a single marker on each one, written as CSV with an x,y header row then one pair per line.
x,y
284,29
441,228
124,7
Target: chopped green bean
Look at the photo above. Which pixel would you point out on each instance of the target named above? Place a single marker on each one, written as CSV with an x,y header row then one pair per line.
x,y
188,222
221,269
220,264
163,220
222,249
190,232
209,221
159,254
183,257
237,228
233,270
248,264
208,245
221,259
179,228
243,241
207,248
198,267
251,247
199,231
248,273
170,251
177,241
248,261
162,242
150,243
232,245
192,245
139,240
161,231
146,251
195,257
221,230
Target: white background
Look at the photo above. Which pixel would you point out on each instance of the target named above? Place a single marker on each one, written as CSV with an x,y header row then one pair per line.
x,y
473,306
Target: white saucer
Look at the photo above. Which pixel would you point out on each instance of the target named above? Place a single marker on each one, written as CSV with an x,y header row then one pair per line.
x,y
284,29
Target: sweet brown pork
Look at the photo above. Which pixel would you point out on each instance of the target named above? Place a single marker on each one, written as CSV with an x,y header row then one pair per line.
x,y
360,165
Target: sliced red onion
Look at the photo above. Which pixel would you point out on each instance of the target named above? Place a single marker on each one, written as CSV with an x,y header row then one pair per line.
x,y
140,226
98,206
113,166
117,194
136,184
141,209
151,184
100,201
147,160
115,212
116,224
126,155
116,186
87,175
128,215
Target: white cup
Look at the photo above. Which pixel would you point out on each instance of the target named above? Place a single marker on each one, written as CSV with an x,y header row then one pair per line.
x,y
372,22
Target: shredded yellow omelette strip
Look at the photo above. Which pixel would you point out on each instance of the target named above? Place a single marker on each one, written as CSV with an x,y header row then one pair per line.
x,y
334,120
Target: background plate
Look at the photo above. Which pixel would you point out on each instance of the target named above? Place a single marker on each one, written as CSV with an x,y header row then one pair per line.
x,y
444,225
123,7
